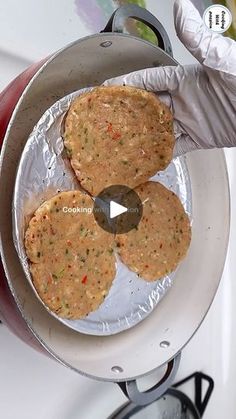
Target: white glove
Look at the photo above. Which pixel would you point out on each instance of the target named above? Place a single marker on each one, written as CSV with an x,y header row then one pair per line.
x,y
202,96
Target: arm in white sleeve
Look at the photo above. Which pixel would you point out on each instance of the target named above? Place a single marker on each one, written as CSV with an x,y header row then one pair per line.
x,y
202,96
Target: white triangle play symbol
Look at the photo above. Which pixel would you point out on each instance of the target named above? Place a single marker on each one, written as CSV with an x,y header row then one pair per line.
x,y
116,209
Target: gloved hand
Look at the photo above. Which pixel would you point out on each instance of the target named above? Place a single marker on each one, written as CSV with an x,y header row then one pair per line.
x,y
202,96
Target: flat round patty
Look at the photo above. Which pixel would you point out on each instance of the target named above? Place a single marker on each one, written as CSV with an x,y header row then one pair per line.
x,y
162,237
118,135
71,257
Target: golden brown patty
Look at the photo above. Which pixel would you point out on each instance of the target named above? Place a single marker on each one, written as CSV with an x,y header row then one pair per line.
x,y
162,237
118,135
72,260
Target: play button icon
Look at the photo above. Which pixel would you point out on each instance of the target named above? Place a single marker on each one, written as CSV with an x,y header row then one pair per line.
x,y
118,209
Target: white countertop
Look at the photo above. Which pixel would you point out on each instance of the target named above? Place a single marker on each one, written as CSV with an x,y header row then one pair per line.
x,y
32,385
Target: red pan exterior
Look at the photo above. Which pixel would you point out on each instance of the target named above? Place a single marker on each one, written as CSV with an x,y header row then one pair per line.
x,y
9,312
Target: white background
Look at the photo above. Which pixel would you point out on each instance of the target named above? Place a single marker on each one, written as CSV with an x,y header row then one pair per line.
x,y
32,386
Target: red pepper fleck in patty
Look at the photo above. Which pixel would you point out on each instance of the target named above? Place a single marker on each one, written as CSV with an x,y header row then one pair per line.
x,y
84,279
116,136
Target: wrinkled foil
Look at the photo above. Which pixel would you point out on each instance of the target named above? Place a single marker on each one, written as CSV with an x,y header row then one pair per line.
x,y
45,170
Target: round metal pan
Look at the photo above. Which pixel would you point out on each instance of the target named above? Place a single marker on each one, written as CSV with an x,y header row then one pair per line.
x,y
159,338
39,177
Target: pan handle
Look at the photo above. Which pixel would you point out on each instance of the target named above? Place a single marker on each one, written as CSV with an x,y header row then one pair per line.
x,y
116,23
131,391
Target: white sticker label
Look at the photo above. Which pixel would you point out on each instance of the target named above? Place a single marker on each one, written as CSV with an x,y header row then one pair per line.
x,y
217,18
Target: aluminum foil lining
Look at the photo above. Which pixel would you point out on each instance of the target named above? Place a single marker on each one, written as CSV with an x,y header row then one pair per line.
x,y
45,170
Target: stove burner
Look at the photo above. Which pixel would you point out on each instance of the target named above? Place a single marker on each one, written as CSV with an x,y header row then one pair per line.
x,y
199,377
174,404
